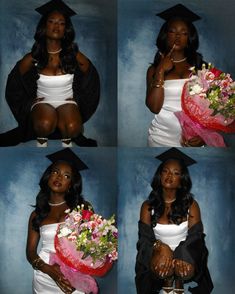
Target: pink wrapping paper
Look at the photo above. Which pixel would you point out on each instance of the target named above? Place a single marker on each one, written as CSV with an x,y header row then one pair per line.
x,y
191,129
78,280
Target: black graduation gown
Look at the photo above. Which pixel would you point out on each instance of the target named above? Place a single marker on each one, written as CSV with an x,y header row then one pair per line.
x,y
21,91
193,250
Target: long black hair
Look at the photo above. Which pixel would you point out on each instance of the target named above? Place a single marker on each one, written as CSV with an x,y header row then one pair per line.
x,y
69,48
73,197
193,57
180,207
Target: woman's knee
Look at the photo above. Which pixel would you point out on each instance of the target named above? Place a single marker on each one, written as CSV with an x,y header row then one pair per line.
x,y
45,125
70,129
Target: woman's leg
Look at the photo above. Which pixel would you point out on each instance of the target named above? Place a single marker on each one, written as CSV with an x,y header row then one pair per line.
x,y
69,121
179,286
164,270
44,120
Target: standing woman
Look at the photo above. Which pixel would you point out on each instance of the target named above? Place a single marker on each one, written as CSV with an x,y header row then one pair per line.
x,y
171,246
55,88
60,189
177,44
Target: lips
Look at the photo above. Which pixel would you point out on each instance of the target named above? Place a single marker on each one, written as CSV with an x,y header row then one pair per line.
x,y
57,184
168,181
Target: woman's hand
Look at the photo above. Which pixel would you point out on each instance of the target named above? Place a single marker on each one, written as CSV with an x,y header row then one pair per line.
x,y
193,142
166,63
54,272
183,269
162,261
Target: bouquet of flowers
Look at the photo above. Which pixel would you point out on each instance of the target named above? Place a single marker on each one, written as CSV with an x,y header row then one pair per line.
x,y
208,106
86,246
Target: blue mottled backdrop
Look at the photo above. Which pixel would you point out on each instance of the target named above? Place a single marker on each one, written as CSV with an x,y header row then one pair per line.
x,y
213,186
137,31
20,171
95,27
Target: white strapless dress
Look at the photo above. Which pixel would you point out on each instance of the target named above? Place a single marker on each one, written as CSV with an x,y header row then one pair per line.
x,y
42,283
165,129
171,234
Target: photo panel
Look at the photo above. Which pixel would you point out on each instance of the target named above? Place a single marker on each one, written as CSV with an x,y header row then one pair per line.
x,y
20,172
212,186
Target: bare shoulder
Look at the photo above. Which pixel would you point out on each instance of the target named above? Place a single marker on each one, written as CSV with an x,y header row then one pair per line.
x,y
150,72
32,216
145,215
26,63
194,208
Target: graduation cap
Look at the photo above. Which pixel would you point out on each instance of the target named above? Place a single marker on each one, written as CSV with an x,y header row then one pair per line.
x,y
178,10
174,153
55,5
69,156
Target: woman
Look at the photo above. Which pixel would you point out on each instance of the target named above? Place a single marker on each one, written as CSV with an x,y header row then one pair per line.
x,y
171,247
60,189
53,89
177,45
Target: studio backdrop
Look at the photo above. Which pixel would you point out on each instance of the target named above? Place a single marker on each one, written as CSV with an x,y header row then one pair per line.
x,y
20,172
213,187
95,27
138,27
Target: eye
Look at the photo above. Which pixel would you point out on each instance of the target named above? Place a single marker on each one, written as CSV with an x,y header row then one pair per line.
x,y
176,173
54,172
68,177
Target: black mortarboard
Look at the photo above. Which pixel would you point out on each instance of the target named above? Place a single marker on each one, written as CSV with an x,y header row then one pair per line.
x,y
69,156
178,10
54,5
174,153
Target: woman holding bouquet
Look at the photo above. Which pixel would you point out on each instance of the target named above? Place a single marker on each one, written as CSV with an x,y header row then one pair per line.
x,y
60,189
177,45
171,246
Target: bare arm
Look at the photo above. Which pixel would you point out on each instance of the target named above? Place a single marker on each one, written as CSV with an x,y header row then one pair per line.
x,y
155,91
155,82
83,62
183,268
194,214
26,63
161,262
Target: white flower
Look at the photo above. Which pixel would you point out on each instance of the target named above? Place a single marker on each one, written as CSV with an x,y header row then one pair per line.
x,y
64,232
196,89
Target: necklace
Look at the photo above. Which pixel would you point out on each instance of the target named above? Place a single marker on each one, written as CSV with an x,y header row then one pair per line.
x,y
169,201
56,204
178,61
54,52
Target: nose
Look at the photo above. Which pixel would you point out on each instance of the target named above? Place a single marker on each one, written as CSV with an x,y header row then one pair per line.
x,y
59,176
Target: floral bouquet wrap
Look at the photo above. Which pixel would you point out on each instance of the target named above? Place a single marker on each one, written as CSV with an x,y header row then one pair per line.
x,y
86,246
208,106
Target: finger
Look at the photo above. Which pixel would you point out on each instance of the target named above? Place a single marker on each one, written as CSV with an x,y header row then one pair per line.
x,y
172,49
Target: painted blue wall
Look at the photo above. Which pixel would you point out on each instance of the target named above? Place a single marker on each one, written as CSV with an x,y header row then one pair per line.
x,y
213,186
20,172
95,27
137,31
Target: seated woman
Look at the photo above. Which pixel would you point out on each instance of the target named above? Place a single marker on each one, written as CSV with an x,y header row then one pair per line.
x,y
55,87
177,44
60,189
171,247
